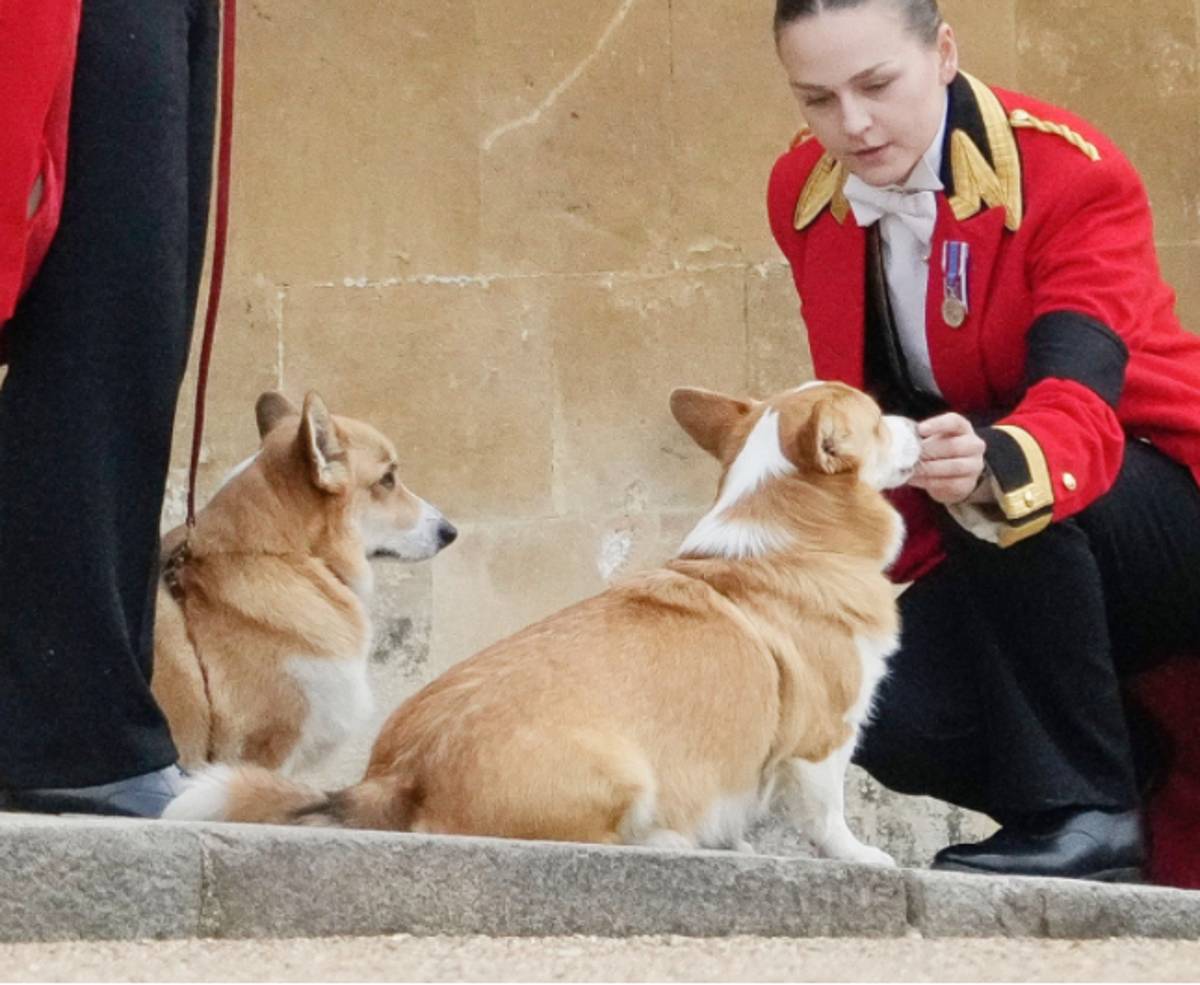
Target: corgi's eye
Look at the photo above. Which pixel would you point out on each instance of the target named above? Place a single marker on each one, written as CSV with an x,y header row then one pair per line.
x,y
388,481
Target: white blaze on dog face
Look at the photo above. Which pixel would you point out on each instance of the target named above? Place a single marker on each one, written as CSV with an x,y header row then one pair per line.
x,y
898,458
391,520
395,523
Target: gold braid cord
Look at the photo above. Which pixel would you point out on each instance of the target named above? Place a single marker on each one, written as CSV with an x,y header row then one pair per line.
x,y
1022,119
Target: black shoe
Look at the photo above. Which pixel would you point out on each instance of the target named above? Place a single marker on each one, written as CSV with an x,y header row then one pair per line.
x,y
1085,844
139,796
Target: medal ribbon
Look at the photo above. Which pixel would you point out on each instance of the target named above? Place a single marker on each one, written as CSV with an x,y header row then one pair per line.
x,y
955,258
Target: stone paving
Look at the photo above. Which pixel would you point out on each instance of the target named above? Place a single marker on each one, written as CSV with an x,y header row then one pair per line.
x,y
536,959
93,879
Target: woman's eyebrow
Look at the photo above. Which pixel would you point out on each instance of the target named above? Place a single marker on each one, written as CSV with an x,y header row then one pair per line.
x,y
855,78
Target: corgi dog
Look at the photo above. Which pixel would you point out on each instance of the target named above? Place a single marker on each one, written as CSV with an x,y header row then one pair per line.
x,y
668,710
262,631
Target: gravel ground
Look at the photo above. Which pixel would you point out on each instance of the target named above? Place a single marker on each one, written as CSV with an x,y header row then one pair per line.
x,y
592,959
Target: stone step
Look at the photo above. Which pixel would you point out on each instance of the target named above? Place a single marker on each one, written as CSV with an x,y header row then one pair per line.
x,y
98,879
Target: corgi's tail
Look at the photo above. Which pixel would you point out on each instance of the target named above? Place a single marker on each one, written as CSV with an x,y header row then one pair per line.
x,y
253,795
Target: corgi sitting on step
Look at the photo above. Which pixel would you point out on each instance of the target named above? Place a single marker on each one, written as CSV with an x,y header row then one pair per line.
x,y
262,633
667,710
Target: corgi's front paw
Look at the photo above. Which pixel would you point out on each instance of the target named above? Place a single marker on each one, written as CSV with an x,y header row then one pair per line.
x,y
867,855
850,849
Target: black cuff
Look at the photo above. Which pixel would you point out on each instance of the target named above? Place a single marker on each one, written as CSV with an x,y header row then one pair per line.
x,y
1020,482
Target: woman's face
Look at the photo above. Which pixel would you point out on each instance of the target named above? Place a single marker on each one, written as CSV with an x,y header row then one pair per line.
x,y
872,92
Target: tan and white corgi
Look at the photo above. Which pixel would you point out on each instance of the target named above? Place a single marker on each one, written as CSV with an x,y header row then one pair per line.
x,y
668,709
263,632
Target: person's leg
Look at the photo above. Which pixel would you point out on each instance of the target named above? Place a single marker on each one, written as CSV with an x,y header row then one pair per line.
x,y
1004,699
925,734
1042,659
1145,536
1105,595
98,348
1076,610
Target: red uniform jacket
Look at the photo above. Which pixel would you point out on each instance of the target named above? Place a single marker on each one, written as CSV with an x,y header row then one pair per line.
x,y
37,63
1070,344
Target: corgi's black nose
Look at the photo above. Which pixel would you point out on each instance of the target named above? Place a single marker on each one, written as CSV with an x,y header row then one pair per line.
x,y
447,534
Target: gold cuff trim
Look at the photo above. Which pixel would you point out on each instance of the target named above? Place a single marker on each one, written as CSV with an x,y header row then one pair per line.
x,y
1038,493
1023,119
985,521
1014,533
824,187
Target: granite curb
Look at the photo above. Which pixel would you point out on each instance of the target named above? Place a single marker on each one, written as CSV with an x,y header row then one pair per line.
x,y
96,879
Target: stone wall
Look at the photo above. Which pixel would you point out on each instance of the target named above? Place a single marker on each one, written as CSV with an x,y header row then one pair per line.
x,y
502,231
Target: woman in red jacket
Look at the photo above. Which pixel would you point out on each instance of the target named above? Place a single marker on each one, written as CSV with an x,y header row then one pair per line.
x,y
98,281
985,263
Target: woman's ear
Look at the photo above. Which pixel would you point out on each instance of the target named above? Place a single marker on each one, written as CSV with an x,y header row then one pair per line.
x,y
947,49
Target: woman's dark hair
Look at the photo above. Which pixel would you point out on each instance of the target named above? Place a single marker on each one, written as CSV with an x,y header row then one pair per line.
x,y
923,16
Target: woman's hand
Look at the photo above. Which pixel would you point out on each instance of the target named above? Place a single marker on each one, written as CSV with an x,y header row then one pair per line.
x,y
951,458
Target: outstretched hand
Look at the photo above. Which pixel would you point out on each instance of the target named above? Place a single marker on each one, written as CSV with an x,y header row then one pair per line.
x,y
951,458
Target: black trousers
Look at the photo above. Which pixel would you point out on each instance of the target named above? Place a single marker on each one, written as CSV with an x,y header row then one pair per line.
x,y
98,348
1006,696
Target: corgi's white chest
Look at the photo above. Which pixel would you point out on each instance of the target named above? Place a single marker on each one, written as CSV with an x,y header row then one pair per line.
x,y
339,704
873,654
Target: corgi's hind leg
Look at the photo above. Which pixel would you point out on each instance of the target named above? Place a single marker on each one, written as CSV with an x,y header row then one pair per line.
x,y
642,826
671,841
594,787
818,808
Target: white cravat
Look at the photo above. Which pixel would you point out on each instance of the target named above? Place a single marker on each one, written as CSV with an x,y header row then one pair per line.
x,y
906,215
916,210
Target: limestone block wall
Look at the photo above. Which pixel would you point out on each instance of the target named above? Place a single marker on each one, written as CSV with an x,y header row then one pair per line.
x,y
502,231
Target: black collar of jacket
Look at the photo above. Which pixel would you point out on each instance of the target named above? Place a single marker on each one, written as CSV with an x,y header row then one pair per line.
x,y
981,165
963,114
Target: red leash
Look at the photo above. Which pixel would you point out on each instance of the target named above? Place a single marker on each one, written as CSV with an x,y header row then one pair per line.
x,y
221,232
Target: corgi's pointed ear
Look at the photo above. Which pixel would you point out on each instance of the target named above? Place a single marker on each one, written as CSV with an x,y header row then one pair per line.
x,y
321,447
271,408
830,441
708,417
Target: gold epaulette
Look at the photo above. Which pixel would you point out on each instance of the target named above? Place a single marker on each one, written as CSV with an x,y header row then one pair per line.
x,y
1023,119
803,136
977,184
824,187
